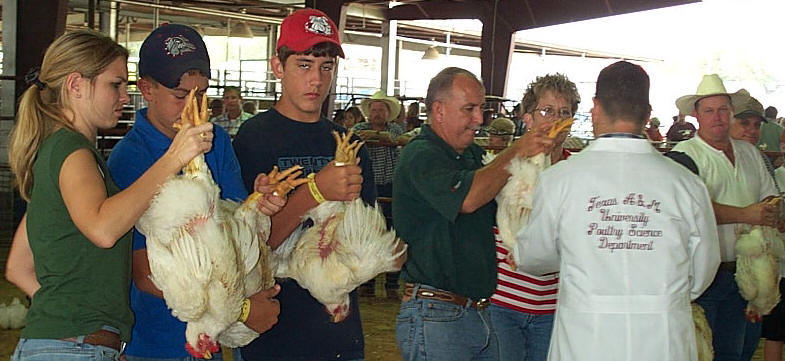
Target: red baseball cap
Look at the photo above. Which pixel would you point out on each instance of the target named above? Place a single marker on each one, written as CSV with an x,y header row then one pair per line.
x,y
305,28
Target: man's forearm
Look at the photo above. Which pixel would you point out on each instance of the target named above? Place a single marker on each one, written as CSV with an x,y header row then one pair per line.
x,y
726,214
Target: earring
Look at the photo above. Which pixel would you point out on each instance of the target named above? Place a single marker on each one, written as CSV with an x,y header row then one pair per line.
x,y
78,95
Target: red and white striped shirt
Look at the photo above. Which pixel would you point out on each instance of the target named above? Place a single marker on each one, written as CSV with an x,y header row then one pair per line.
x,y
521,291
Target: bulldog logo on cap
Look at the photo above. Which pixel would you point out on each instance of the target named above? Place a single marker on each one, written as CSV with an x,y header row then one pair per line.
x,y
318,25
178,45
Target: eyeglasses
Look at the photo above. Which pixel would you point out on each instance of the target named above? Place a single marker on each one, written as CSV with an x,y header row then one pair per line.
x,y
549,112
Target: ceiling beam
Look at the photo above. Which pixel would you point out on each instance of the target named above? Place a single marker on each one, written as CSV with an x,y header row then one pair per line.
x,y
436,10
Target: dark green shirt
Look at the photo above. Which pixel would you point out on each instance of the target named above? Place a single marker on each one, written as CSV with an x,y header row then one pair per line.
x,y
448,250
83,287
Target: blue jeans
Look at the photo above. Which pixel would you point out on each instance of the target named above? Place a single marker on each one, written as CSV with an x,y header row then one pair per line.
x,y
751,339
724,309
59,350
216,357
522,336
435,330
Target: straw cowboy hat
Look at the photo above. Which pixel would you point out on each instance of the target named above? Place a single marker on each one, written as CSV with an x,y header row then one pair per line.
x,y
710,85
392,103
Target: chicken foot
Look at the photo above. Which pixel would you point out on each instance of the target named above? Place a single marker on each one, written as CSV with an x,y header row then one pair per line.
x,y
346,150
193,115
284,182
560,126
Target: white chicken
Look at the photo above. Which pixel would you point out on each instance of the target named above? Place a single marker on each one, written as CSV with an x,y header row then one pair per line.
x,y
249,230
514,201
348,245
758,252
12,316
703,336
206,254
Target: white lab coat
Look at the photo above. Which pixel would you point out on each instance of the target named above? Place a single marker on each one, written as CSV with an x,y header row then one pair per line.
x,y
634,237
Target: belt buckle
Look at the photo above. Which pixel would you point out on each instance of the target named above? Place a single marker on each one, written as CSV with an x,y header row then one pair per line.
x,y
481,304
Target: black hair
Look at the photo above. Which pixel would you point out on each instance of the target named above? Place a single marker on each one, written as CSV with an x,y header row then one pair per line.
x,y
623,92
318,50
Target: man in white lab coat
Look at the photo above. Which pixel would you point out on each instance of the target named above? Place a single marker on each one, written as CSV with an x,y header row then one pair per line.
x,y
634,246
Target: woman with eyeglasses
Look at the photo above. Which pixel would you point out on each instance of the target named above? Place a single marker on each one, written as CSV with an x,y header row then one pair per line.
x,y
77,222
523,306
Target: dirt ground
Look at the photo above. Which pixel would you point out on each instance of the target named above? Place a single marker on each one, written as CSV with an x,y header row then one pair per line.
x,y
378,317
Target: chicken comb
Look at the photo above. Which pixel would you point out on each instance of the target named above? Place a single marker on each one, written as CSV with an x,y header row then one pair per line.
x,y
559,126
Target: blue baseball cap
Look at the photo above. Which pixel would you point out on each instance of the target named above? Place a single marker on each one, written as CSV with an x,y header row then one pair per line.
x,y
171,50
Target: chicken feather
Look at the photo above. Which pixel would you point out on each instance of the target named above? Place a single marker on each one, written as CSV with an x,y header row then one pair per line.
x,y
758,250
515,199
206,254
347,245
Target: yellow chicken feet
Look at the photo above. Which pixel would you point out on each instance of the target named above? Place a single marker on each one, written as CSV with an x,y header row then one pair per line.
x,y
346,150
560,126
193,115
285,181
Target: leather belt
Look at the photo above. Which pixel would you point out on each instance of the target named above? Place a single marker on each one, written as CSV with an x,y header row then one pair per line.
x,y
100,338
728,266
445,296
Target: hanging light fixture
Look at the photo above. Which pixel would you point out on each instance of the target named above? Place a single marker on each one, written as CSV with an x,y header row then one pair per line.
x,y
432,53
240,29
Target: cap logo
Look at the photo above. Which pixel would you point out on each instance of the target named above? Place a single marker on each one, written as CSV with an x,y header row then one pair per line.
x,y
178,45
318,25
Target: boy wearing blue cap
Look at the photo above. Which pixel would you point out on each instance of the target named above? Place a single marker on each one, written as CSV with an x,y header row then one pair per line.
x,y
172,61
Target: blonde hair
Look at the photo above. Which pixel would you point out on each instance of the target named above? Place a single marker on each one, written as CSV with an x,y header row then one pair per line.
x,y
42,110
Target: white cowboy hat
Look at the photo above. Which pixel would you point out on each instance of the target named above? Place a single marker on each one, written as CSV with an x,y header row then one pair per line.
x,y
392,103
710,85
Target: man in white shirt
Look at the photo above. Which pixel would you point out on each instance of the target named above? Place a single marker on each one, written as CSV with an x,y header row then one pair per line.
x,y
737,180
633,246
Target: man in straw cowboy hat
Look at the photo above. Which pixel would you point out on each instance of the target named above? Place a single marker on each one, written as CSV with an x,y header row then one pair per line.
x,y
380,132
738,183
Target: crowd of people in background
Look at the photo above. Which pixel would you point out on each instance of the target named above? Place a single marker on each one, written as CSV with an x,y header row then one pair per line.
x,y
463,295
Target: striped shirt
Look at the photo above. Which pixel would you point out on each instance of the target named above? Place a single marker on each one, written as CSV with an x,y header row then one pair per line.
x,y
521,291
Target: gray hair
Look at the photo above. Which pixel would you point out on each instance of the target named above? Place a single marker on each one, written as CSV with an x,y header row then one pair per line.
x,y
442,83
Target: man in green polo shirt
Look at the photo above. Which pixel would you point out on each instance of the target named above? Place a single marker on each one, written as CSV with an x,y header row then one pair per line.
x,y
443,209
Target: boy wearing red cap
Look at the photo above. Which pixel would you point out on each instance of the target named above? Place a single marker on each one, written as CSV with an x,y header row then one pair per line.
x,y
295,132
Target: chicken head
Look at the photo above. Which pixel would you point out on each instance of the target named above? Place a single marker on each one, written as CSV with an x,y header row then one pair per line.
x,y
205,347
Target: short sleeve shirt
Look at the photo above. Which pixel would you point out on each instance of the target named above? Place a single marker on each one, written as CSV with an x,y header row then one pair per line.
x,y
740,184
448,249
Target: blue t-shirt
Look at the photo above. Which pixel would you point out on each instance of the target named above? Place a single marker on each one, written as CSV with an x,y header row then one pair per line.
x,y
156,333
304,331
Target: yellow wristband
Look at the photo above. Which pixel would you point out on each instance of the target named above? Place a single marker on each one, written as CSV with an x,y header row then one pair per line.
x,y
315,190
245,311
